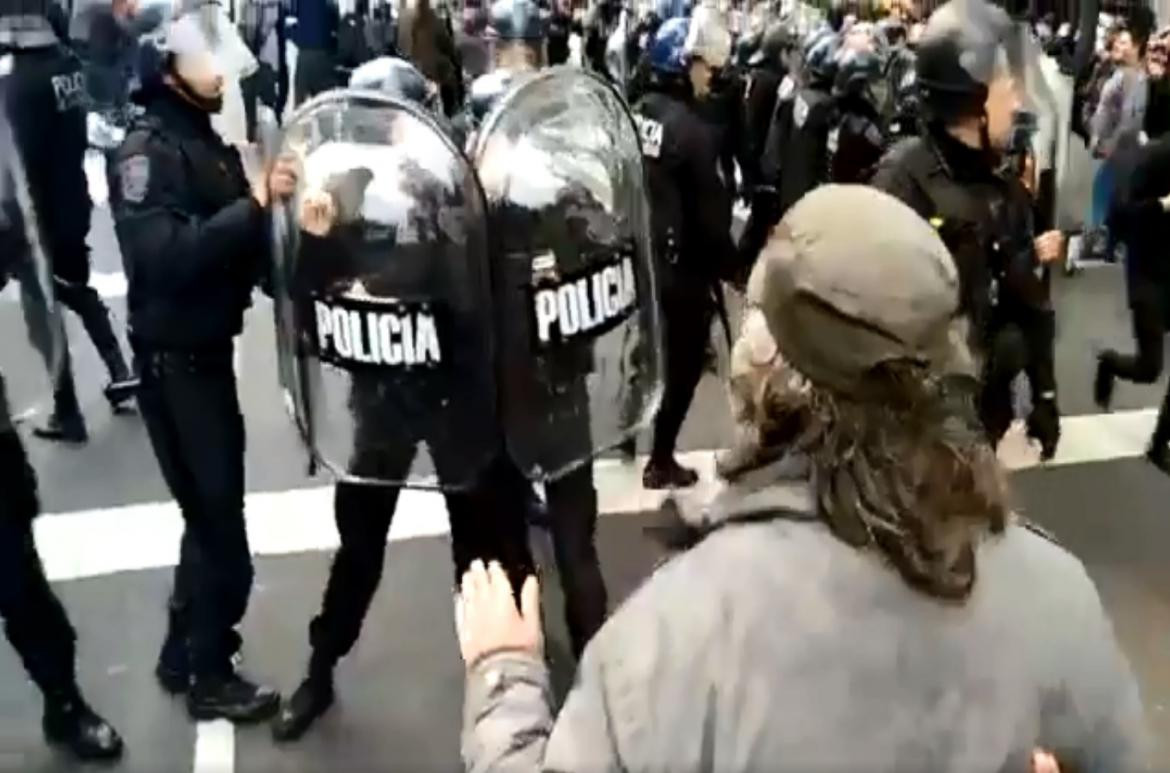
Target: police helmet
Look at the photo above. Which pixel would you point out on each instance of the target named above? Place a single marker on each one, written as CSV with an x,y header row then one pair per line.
x,y
820,58
668,51
856,71
25,24
747,47
708,38
515,20
958,55
397,78
776,41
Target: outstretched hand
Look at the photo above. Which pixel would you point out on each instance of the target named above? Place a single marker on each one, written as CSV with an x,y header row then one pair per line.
x,y
487,619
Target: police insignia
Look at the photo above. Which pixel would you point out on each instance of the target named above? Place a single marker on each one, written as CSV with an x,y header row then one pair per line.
x,y
134,173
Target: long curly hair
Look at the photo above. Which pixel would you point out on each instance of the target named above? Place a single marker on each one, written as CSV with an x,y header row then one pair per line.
x,y
906,470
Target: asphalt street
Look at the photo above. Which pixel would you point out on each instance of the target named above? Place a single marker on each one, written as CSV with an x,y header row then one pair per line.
x,y
400,692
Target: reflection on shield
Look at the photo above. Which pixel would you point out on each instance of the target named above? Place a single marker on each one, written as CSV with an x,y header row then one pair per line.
x,y
32,349
383,297
580,351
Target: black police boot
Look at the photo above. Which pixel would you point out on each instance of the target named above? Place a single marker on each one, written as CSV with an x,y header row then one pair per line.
x,y
71,724
1158,454
1044,427
173,670
120,392
310,701
63,427
66,424
667,473
231,697
1103,382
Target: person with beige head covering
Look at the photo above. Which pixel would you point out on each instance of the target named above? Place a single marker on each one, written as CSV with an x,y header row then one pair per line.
x,y
863,597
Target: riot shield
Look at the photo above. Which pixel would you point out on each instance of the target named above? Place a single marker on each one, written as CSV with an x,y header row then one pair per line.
x,y
574,280
33,348
383,296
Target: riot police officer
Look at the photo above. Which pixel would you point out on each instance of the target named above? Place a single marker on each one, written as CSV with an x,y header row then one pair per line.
x,y
570,497
34,620
47,105
516,33
193,236
767,67
796,158
856,141
691,227
957,176
393,411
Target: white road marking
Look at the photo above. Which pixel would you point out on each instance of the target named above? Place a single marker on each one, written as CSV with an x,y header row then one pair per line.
x,y
93,543
215,747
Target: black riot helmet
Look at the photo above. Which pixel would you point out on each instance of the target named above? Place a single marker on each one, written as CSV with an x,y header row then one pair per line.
x,y
25,24
820,58
777,40
397,78
964,45
857,71
516,32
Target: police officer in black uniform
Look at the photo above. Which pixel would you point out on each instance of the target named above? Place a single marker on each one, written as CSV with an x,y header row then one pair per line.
x,y
796,158
692,231
34,620
766,69
47,105
856,141
570,500
957,175
194,238
488,519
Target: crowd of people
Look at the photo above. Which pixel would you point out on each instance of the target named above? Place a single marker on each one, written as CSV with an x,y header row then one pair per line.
x,y
887,609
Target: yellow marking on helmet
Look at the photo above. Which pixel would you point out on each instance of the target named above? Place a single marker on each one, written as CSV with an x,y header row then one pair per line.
x,y
936,222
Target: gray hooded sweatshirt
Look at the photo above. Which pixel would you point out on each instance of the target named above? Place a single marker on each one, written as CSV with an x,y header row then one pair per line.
x,y
774,646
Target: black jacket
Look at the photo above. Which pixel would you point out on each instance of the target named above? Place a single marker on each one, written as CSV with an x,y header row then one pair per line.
x,y
796,157
193,239
1141,222
689,199
984,218
46,104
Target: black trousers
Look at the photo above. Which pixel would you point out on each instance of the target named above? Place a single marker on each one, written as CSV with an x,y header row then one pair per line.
x,y
34,620
687,310
316,72
1145,365
192,415
572,511
75,294
487,522
1019,343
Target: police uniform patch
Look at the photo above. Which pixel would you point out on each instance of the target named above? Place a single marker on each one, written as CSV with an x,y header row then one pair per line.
x,y
650,134
134,173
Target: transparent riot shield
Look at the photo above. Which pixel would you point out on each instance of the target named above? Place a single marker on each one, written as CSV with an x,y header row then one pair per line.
x,y
33,350
578,328
383,296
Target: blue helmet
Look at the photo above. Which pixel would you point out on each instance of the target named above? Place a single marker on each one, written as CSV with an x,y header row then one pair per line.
x,y
397,78
516,20
668,50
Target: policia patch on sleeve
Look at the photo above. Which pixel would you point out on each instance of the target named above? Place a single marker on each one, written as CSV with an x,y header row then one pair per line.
x,y
366,333
585,304
134,174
